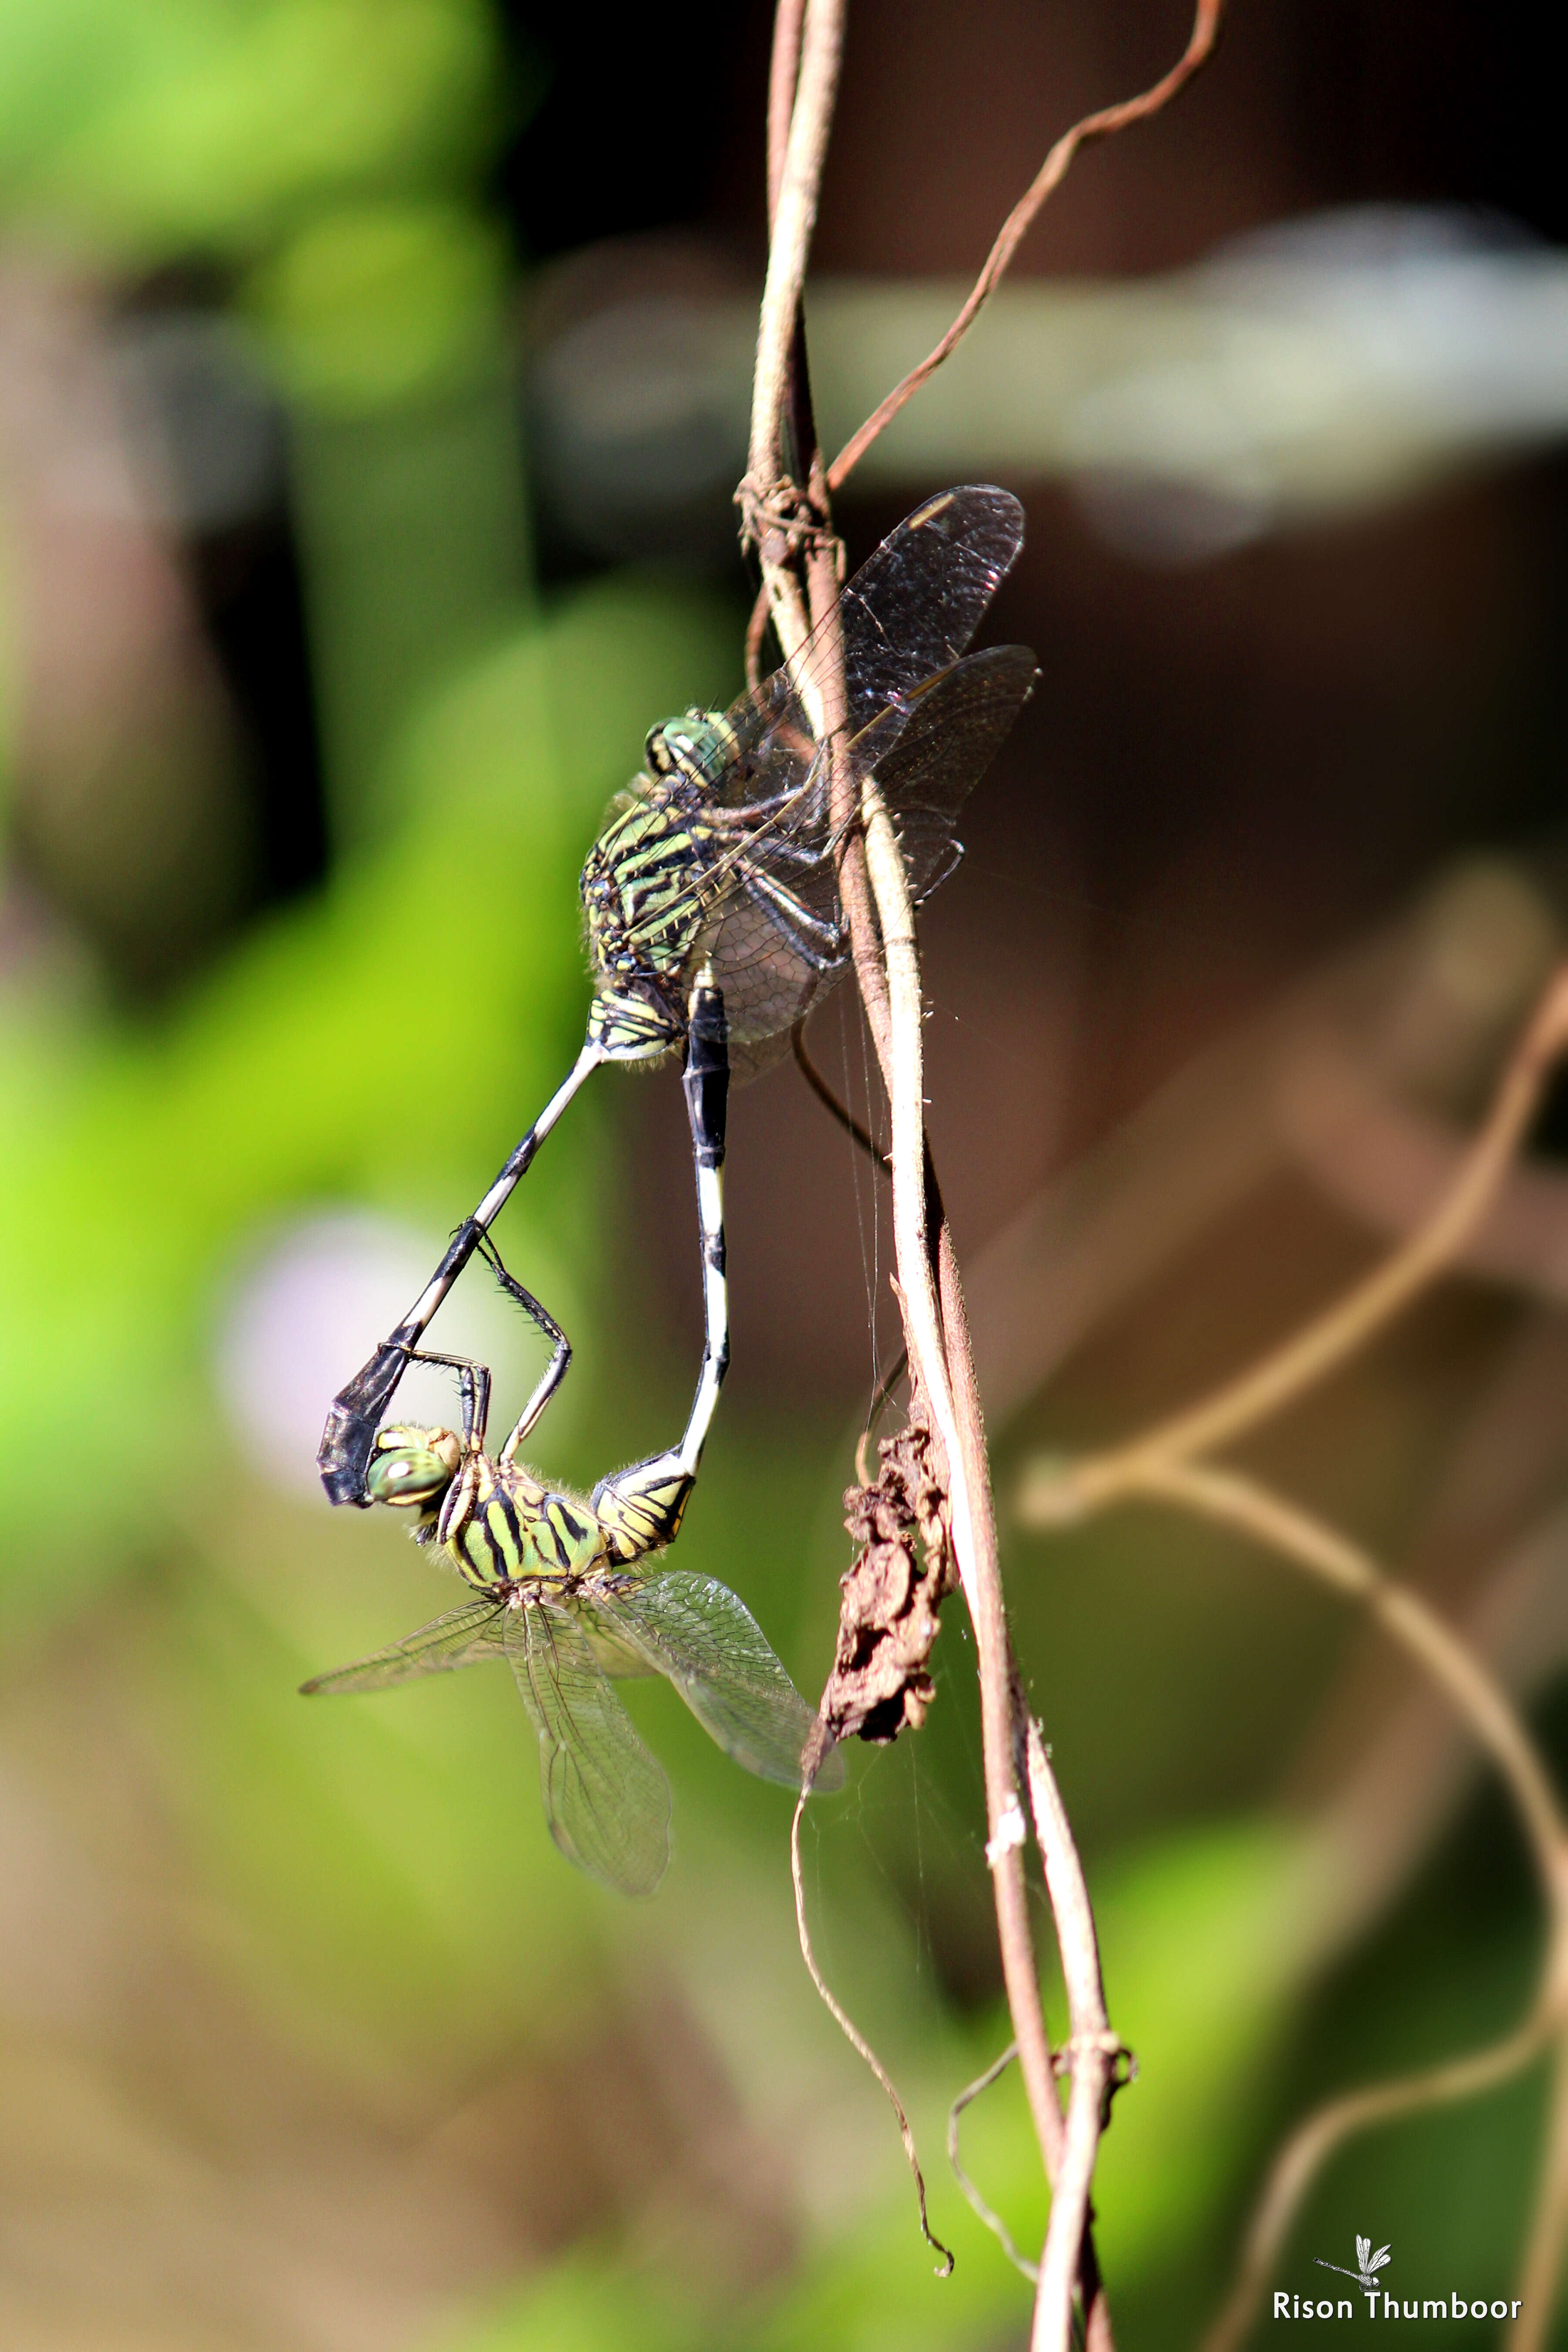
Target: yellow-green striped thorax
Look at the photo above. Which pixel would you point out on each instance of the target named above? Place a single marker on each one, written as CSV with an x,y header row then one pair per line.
x,y
500,1525
642,886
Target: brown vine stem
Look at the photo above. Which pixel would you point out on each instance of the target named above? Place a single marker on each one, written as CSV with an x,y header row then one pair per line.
x,y
790,527
1003,1720
978,2206
1054,1494
1231,1499
788,522
939,1353
1160,1464
1542,2271
783,68
1252,1510
1309,2147
821,46
1093,2049
837,1111
857,2040
1104,124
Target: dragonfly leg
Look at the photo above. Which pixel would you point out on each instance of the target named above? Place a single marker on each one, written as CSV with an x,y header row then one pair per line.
x,y
473,1388
349,1437
640,1508
746,815
561,1348
802,855
817,942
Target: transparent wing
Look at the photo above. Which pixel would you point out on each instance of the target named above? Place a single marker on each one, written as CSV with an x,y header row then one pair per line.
x,y
770,962
463,1637
957,723
613,1653
955,732
695,1631
777,942
910,612
915,603
607,1801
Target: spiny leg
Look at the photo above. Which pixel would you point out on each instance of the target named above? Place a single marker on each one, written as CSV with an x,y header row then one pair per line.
x,y
473,1389
745,815
349,1437
640,1508
561,1354
817,942
802,855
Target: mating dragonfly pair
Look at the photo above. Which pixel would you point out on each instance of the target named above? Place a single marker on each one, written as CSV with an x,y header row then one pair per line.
x,y
715,926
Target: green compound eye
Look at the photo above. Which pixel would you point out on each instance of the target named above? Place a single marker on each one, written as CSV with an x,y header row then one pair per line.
x,y
407,1474
697,747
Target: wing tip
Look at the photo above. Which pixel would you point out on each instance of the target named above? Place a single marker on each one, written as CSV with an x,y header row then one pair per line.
x,y
1000,503
616,1874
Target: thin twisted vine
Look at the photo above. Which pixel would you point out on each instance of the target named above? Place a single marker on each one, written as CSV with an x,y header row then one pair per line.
x,y
1168,1463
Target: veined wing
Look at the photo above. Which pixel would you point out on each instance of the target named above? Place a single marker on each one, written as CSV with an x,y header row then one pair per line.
x,y
958,725
908,613
607,1801
463,1637
915,603
771,963
911,611
697,1631
777,942
929,751
615,1653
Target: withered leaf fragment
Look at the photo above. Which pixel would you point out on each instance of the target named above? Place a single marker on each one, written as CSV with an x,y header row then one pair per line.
x,y
887,1618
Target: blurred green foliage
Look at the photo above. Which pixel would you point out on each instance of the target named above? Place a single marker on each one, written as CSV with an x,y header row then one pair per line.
x,y
146,130
161,1150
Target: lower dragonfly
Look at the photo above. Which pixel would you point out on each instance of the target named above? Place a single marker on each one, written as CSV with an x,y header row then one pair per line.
x,y
564,1595
711,901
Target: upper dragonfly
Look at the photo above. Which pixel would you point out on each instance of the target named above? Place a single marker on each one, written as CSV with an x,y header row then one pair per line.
x,y
711,900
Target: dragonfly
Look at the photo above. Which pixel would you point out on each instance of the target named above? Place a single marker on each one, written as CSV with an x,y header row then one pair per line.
x,y
711,903
564,1592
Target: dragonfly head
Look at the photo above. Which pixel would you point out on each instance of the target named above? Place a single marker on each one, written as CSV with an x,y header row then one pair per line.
x,y
412,1468
696,746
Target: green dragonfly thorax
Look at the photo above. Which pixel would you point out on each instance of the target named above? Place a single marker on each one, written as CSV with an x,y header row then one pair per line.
x,y
495,1521
645,910
644,896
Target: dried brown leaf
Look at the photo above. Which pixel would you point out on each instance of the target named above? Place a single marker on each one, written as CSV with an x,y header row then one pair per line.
x,y
893,1594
